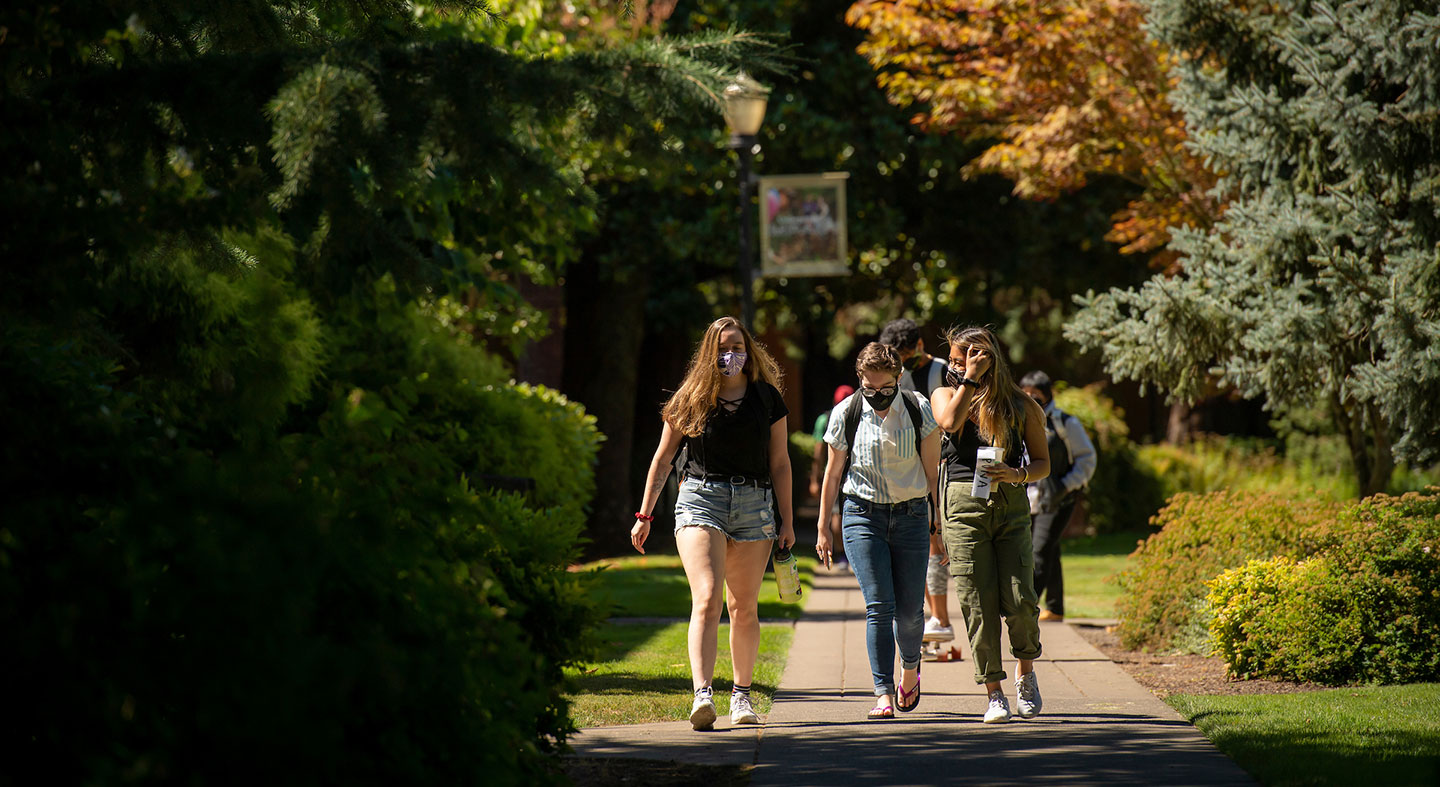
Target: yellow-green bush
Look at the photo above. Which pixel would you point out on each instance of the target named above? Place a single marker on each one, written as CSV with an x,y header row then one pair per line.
x,y
1366,608
1283,618
1200,537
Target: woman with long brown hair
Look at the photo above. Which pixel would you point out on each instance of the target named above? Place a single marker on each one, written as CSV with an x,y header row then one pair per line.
x,y
988,538
735,480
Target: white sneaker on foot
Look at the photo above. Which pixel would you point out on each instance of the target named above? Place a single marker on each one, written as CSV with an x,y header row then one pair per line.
x,y
1027,696
999,710
934,632
740,710
702,713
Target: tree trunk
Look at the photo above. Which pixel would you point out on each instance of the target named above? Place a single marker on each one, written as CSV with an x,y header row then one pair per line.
x,y
1177,429
605,324
1367,437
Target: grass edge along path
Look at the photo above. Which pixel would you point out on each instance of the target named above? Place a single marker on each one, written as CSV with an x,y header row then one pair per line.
x,y
642,673
1350,735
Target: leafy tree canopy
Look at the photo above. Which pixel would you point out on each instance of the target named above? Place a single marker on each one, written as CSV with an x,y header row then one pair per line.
x,y
1322,283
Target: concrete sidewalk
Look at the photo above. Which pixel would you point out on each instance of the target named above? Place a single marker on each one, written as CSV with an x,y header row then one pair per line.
x,y
1098,725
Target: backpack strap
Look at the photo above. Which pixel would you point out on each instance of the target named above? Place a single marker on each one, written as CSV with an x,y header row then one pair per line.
x,y
852,425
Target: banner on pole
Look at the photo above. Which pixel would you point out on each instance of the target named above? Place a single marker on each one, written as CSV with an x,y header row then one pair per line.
x,y
802,225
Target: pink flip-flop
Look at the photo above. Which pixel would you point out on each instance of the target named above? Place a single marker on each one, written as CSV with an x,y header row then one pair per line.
x,y
904,695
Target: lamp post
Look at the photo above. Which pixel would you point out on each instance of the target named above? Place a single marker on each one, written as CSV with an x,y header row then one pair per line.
x,y
745,101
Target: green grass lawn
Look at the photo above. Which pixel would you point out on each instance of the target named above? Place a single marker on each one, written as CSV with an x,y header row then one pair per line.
x,y
1362,735
643,674
654,586
1088,563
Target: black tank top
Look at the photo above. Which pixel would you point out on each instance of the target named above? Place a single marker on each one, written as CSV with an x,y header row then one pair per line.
x,y
957,451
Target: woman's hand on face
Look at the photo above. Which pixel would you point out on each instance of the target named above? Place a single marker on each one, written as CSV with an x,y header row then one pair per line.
x,y
977,362
638,534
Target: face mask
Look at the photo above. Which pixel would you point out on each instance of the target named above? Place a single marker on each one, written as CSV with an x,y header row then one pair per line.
x,y
731,363
879,400
914,362
953,377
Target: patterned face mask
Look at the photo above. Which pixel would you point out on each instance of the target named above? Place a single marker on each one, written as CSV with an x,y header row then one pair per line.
x,y
731,363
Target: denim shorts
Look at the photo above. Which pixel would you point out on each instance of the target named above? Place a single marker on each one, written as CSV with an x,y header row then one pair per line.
x,y
742,512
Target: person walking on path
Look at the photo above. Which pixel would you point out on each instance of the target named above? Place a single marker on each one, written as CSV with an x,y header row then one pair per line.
x,y
924,373
818,460
728,422
988,539
884,458
1052,499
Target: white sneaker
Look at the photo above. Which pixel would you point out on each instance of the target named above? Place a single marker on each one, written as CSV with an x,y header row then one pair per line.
x,y
934,632
1027,696
702,713
999,710
740,710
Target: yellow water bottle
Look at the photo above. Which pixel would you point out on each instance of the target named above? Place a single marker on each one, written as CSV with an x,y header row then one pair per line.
x,y
787,575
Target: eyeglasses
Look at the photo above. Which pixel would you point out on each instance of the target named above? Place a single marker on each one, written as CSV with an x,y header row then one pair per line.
x,y
888,390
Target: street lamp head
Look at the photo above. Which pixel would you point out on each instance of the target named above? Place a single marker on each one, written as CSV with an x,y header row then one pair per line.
x,y
745,101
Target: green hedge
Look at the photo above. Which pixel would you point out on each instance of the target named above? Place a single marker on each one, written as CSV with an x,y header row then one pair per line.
x,y
1365,608
248,549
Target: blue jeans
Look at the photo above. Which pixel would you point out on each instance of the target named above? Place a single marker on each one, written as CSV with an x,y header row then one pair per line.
x,y
889,546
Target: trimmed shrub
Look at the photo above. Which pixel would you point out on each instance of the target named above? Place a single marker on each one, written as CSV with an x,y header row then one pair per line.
x,y
1285,619
1124,492
1200,537
1366,609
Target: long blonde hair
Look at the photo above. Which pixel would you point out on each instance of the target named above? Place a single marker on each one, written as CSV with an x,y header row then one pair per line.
x,y
691,405
997,408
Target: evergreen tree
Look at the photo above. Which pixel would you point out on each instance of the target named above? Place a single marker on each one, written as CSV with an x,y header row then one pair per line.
x,y
1322,283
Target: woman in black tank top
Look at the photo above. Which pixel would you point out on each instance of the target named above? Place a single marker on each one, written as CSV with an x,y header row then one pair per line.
x,y
987,539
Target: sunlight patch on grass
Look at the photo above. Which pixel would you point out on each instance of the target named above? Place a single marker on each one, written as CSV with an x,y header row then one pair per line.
x,y
643,674
1357,735
654,586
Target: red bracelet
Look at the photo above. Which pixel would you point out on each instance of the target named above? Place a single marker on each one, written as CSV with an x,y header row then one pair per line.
x,y
644,517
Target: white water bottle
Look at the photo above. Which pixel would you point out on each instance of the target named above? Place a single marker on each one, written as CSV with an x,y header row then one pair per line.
x,y
787,576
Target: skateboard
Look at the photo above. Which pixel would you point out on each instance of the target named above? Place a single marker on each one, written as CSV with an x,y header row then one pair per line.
x,y
940,650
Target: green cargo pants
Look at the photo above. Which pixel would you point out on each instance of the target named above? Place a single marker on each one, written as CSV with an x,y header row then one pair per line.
x,y
991,560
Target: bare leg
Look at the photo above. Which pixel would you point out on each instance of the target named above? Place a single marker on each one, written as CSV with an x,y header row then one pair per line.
x,y
745,571
702,552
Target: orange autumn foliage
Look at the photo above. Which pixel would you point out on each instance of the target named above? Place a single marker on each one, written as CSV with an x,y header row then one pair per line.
x,y
1069,88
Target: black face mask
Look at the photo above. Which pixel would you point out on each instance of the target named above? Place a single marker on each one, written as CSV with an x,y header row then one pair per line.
x,y
914,362
878,400
953,377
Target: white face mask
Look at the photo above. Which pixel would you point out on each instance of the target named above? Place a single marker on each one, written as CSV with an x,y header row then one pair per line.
x,y
731,363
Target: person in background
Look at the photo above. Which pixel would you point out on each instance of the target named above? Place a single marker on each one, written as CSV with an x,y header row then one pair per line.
x,y
734,501
1052,499
818,461
923,374
988,538
884,451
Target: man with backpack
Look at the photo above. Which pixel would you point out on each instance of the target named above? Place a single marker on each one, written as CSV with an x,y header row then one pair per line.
x,y
923,374
1053,498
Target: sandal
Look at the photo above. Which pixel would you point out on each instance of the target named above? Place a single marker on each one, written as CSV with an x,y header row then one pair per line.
x,y
877,712
904,704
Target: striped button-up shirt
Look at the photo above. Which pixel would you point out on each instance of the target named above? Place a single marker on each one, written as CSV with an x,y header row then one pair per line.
x,y
885,463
